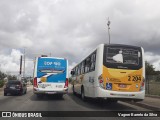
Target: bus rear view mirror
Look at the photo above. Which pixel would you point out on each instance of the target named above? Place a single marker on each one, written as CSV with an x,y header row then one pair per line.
x,y
72,72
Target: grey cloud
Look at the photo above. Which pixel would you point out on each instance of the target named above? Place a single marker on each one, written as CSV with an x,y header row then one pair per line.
x,y
17,20
72,28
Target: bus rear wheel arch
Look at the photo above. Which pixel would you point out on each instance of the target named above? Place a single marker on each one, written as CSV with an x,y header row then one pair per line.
x,y
73,90
83,97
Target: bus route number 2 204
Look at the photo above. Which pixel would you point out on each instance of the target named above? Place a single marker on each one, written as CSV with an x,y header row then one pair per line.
x,y
135,78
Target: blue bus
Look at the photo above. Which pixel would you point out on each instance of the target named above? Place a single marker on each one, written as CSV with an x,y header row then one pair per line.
x,y
50,76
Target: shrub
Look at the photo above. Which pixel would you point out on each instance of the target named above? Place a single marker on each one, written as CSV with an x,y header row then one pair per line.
x,y
1,83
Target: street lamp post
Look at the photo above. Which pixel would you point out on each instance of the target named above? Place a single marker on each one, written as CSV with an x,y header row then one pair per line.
x,y
109,22
24,60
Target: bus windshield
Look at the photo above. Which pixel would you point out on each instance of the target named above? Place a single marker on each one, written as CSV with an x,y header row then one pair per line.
x,y
122,57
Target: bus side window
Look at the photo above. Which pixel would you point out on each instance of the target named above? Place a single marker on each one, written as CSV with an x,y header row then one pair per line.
x,y
87,64
76,71
93,61
82,68
79,69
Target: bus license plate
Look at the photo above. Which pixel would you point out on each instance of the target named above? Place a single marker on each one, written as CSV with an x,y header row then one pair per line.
x,y
41,85
50,92
122,85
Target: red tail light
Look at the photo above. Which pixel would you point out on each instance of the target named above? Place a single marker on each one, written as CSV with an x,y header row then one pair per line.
x,y
142,87
19,86
66,83
35,82
100,81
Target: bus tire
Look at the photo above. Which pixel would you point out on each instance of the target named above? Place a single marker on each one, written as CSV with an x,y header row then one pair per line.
x,y
73,90
83,94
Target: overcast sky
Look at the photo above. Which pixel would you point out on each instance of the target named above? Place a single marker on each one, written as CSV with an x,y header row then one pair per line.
x,y
72,28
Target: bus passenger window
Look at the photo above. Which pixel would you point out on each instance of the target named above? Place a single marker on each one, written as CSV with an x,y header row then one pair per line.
x,y
79,69
82,68
93,62
76,72
87,64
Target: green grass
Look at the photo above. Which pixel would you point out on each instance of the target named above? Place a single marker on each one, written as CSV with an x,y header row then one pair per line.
x,y
154,88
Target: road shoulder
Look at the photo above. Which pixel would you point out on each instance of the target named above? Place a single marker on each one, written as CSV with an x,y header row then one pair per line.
x,y
150,102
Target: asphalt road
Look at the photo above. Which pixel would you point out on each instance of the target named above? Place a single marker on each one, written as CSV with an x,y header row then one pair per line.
x,y
69,102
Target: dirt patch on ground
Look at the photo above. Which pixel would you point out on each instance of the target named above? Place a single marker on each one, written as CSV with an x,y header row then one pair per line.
x,y
1,91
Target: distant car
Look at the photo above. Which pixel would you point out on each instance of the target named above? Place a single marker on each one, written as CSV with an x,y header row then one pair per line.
x,y
15,87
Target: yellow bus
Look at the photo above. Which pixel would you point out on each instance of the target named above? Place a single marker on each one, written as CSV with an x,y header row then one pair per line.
x,y
112,72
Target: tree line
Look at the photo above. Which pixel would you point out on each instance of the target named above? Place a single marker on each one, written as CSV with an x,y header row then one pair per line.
x,y
3,76
150,70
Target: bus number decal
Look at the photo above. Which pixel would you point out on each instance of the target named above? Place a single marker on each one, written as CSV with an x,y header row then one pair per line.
x,y
134,78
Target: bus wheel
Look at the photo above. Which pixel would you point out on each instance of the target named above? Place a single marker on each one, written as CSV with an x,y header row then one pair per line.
x,y
83,94
73,90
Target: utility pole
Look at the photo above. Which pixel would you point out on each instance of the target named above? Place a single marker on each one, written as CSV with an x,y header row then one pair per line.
x,y
24,63
109,22
20,69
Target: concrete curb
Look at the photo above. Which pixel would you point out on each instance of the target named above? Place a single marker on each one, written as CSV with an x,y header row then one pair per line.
x,y
151,107
153,96
144,105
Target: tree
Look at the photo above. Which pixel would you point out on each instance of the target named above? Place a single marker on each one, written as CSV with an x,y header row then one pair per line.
x,y
1,83
12,77
150,70
2,75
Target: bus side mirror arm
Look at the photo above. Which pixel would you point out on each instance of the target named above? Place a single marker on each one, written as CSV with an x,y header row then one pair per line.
x,y
72,72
